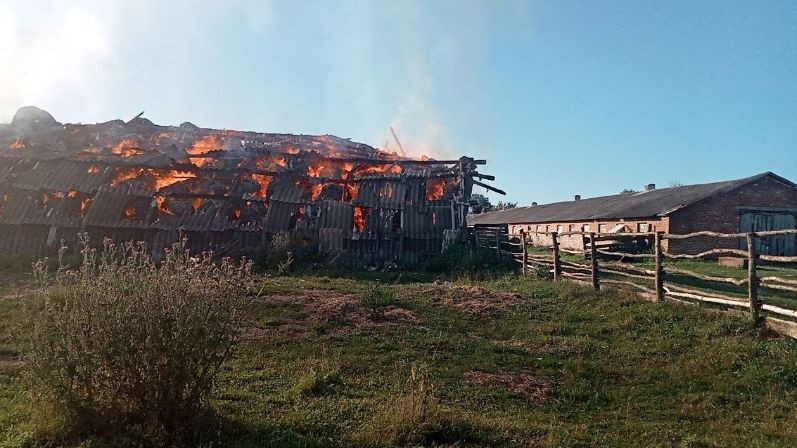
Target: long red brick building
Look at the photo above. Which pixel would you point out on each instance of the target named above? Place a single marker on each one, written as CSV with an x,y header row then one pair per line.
x,y
765,201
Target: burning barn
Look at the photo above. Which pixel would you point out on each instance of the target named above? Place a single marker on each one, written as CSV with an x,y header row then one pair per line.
x,y
229,191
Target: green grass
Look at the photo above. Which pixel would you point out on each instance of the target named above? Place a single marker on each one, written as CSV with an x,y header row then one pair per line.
x,y
616,371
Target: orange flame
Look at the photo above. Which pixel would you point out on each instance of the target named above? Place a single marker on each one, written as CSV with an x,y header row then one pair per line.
x,y
17,144
71,194
84,204
93,169
204,145
315,191
165,178
314,169
197,202
263,181
271,163
350,192
130,213
435,189
397,169
127,147
123,174
359,219
163,205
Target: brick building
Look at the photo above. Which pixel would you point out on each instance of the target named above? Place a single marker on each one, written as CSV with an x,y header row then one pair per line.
x,y
762,202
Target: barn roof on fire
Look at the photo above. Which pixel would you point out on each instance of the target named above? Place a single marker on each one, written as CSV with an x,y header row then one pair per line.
x,y
139,175
644,204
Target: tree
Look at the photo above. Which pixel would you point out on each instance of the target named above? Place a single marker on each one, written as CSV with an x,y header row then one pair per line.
x,y
501,205
480,203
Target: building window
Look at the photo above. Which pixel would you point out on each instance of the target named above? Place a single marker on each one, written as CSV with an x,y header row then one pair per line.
x,y
585,228
644,227
541,228
573,228
602,228
559,228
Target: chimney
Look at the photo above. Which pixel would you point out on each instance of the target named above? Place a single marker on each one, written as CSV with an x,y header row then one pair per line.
x,y
650,187
577,197
533,204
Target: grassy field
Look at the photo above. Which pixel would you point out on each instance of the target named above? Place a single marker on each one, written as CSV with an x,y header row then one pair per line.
x,y
506,362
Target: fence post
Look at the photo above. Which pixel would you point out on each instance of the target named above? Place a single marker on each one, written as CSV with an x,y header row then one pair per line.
x,y
593,258
525,251
752,279
659,268
557,265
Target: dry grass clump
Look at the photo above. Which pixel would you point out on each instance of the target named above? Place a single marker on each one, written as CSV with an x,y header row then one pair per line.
x,y
125,342
414,415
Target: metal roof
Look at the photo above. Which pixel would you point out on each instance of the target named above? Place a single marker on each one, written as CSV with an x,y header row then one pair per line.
x,y
645,204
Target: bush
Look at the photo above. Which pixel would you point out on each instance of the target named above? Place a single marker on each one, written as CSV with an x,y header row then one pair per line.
x,y
125,342
476,263
377,296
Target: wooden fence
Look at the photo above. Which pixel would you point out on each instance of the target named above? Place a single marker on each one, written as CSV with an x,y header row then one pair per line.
x,y
653,284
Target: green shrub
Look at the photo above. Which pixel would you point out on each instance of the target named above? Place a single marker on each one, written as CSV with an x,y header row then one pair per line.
x,y
125,342
376,296
477,263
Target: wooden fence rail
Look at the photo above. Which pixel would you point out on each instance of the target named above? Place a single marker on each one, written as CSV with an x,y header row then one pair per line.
x,y
655,283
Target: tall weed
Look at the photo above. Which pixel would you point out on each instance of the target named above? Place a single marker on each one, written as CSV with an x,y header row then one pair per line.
x,y
124,341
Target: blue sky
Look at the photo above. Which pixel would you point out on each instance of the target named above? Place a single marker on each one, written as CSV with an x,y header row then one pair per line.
x,y
562,97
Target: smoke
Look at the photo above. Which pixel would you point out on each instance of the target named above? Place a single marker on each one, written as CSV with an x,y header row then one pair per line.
x,y
92,58
50,52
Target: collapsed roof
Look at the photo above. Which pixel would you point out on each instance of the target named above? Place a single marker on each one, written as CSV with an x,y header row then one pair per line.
x,y
644,204
139,175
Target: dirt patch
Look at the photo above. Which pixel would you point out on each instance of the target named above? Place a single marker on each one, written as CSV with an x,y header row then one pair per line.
x,y
526,385
327,307
9,358
474,299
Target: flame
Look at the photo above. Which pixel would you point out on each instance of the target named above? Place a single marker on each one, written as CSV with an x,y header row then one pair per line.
x,y
165,178
350,192
379,168
123,174
71,194
314,169
197,202
17,144
84,205
315,191
201,162
130,213
163,205
90,151
206,144
93,169
127,147
46,197
237,212
271,162
263,181
359,219
435,189
290,149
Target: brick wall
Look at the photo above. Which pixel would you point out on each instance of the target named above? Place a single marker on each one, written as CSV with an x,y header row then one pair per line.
x,y
575,242
721,214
